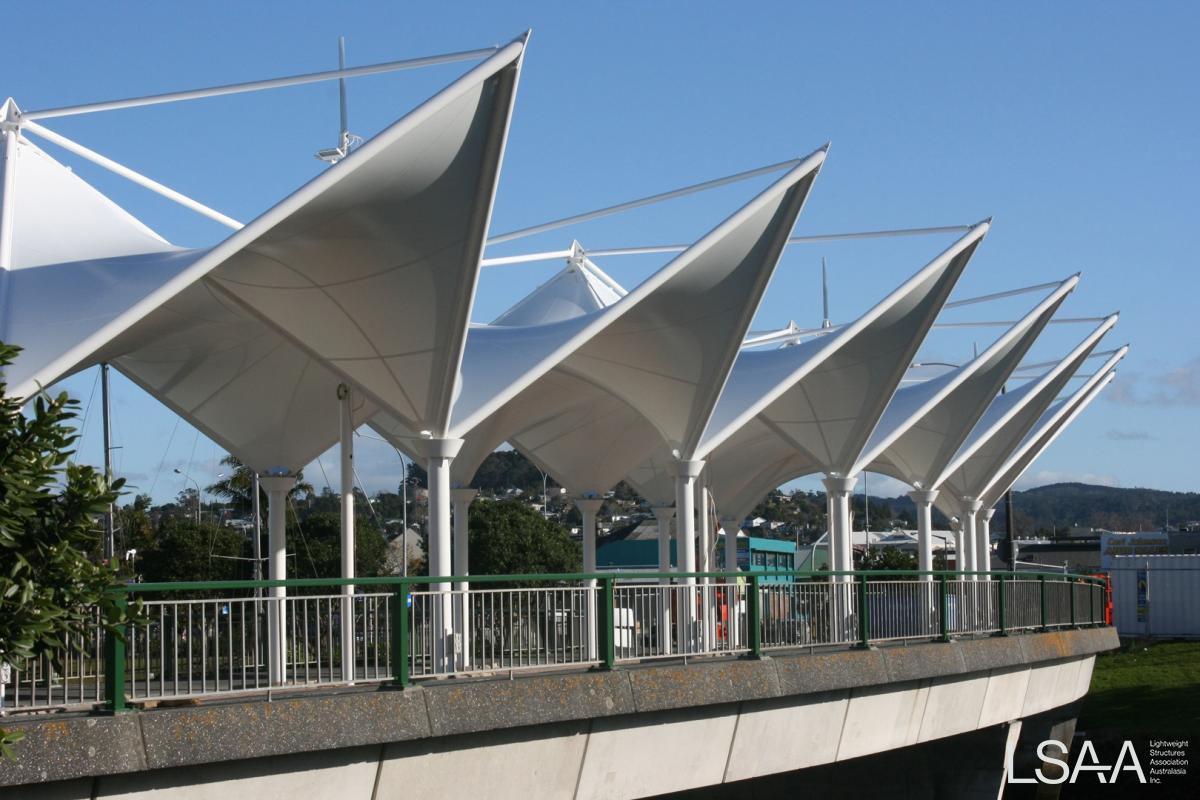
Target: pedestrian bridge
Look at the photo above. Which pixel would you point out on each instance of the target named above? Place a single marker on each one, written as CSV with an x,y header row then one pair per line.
x,y
548,686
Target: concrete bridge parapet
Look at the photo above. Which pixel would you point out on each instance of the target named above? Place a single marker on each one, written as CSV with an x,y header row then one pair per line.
x,y
629,732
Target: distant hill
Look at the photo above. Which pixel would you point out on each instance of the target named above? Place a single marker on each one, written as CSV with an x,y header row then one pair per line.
x,y
1060,506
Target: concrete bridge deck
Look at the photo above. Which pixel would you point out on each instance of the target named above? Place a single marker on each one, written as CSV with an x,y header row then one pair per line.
x,y
629,732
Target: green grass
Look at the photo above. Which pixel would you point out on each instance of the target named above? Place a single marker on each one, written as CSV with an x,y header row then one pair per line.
x,y
1145,689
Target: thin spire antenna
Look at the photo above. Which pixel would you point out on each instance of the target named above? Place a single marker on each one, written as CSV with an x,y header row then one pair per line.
x,y
347,141
825,323
342,87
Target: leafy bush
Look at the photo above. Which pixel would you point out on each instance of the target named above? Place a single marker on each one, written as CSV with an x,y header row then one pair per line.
x,y
49,512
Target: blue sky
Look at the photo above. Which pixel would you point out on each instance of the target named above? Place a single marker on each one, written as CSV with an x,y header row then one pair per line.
x,y
1073,123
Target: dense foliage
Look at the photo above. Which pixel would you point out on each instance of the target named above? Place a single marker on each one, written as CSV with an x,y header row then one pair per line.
x,y
508,538
186,550
317,544
49,529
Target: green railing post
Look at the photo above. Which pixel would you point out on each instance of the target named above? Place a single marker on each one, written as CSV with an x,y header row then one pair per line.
x,y
114,663
1092,587
754,635
943,609
606,631
1071,587
1003,604
1042,589
864,614
401,617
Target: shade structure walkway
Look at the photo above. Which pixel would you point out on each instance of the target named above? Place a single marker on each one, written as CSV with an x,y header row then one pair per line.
x,y
349,302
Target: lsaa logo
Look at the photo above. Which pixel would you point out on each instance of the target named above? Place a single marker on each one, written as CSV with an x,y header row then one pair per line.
x,y
1087,762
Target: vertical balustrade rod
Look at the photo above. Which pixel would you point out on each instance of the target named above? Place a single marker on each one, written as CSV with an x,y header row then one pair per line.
x,y
864,621
1003,606
944,606
1042,590
1071,590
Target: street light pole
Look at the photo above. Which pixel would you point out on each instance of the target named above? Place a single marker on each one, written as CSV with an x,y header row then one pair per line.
x,y
178,471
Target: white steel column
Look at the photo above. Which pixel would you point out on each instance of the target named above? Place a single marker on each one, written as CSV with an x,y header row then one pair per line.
x,y
277,487
730,596
439,453
704,563
346,450
685,514
923,499
460,500
589,507
686,473
841,526
983,545
960,553
970,535
662,515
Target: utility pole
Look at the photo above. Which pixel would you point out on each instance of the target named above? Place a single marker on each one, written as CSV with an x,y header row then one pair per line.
x,y
254,504
109,542
1009,525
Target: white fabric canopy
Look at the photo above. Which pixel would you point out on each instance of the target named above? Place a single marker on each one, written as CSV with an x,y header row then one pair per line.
x,y
1007,421
376,274
231,375
177,323
926,424
1053,422
598,354
825,396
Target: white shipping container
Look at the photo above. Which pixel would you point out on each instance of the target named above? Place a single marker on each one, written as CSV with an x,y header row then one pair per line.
x,y
1156,595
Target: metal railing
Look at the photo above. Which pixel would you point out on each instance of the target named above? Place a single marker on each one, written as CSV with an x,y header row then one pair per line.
x,y
222,638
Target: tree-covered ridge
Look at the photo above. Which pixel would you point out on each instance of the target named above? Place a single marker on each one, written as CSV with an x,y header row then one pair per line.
x,y
1065,505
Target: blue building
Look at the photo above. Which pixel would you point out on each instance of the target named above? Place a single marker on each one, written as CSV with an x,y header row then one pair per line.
x,y
635,549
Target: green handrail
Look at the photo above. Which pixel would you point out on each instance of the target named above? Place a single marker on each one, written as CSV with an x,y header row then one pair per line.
x,y
402,588
413,581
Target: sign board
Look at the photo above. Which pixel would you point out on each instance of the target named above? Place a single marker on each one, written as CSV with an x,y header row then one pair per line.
x,y
1143,543
1143,595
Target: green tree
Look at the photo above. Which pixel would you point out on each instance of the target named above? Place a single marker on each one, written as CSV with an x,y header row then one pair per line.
x,y
49,510
508,537
317,542
885,558
133,526
185,550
